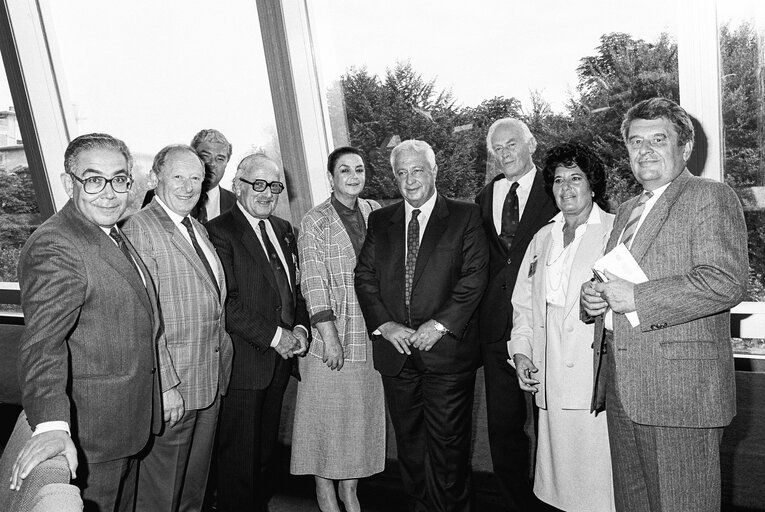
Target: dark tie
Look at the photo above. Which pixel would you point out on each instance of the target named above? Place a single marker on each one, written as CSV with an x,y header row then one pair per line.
x,y
187,224
117,237
201,208
632,222
412,248
280,273
510,217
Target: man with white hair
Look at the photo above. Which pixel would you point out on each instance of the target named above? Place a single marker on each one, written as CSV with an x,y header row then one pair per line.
x,y
514,205
419,279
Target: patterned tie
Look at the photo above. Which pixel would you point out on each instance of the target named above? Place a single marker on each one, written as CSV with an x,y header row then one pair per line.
x,y
187,224
510,217
412,248
117,237
632,223
280,273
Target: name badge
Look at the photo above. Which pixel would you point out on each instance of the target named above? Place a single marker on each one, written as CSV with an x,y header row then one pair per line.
x,y
533,268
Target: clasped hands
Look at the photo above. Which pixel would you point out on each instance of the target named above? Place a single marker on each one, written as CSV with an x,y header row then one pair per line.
x,y
617,294
402,337
292,343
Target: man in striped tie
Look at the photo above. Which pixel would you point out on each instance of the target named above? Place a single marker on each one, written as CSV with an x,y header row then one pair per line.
x,y
670,386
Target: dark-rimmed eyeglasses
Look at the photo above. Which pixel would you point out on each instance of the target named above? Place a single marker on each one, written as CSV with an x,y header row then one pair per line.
x,y
260,185
95,184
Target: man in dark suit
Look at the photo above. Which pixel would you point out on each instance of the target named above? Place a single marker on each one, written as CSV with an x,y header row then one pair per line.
x,y
268,322
514,206
192,293
419,279
87,357
215,151
670,386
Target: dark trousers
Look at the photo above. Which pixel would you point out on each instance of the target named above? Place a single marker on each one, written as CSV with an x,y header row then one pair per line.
x,y
173,474
661,469
432,416
108,486
247,435
506,408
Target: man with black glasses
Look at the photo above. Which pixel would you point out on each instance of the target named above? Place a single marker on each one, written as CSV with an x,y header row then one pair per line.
x,y
87,356
268,323
192,291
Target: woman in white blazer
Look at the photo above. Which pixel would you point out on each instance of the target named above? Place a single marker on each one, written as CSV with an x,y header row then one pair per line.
x,y
551,347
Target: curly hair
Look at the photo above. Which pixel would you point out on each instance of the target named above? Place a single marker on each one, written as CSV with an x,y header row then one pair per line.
x,y
657,108
341,151
570,154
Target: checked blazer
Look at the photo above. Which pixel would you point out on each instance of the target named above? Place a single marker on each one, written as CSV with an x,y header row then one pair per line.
x,y
193,315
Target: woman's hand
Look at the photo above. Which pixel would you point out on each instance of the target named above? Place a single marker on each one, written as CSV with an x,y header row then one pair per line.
x,y
333,354
523,369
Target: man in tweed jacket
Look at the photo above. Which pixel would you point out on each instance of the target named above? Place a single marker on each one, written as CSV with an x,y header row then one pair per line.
x,y
192,294
669,381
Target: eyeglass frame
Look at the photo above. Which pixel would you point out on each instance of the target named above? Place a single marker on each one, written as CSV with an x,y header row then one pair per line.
x,y
266,185
106,181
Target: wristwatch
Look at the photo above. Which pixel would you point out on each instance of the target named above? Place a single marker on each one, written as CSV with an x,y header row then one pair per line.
x,y
440,327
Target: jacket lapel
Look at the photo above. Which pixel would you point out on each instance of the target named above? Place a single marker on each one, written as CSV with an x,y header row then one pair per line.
x,y
436,225
252,244
537,197
395,247
289,255
339,234
590,249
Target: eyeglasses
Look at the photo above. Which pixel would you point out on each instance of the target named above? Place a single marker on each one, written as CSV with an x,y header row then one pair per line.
x,y
95,184
260,185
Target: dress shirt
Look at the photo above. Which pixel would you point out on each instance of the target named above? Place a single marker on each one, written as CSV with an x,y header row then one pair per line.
x,y
502,187
254,224
212,205
426,210
608,321
560,259
177,219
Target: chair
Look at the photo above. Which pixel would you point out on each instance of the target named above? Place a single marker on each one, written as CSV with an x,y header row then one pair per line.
x,y
47,486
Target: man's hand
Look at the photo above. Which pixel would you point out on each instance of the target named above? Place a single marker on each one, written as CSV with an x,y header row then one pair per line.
x,y
333,354
288,344
591,299
523,369
619,294
173,405
398,335
300,334
426,336
41,448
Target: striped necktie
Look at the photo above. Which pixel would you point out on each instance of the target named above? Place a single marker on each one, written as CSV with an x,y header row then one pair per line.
x,y
632,223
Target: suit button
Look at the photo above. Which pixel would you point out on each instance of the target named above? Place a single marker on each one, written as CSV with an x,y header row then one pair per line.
x,y
569,328
153,371
217,349
570,364
278,308
509,261
504,287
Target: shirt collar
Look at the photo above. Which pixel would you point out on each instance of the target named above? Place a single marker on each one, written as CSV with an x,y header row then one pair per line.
x,y
254,221
177,219
594,217
526,181
425,210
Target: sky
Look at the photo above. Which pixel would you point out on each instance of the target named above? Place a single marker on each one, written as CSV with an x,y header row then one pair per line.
x,y
155,72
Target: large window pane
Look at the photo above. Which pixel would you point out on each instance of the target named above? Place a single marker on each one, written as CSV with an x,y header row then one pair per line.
x,y
19,214
155,73
402,69
743,107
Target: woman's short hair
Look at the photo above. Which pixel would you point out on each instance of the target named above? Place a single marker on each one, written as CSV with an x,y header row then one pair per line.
x,y
339,152
569,154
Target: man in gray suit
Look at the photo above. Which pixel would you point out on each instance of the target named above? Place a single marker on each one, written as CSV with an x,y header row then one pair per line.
x,y
87,356
670,386
192,293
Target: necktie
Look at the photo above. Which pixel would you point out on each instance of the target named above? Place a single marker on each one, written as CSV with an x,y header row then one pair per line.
x,y
280,273
201,208
510,217
187,224
412,248
637,211
117,237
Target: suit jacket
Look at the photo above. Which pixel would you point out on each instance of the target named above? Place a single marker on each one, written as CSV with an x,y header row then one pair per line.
x,y
88,352
254,306
676,368
529,334
193,315
327,261
449,279
496,312
227,201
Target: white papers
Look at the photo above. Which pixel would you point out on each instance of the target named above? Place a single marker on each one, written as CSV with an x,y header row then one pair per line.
x,y
619,261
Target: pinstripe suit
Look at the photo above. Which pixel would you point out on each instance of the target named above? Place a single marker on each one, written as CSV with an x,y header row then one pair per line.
x,y
200,349
671,384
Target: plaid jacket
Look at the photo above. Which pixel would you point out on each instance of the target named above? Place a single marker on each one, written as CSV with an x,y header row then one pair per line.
x,y
327,263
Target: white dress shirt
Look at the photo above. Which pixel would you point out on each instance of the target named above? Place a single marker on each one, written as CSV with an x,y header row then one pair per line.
x,y
502,187
426,210
212,205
